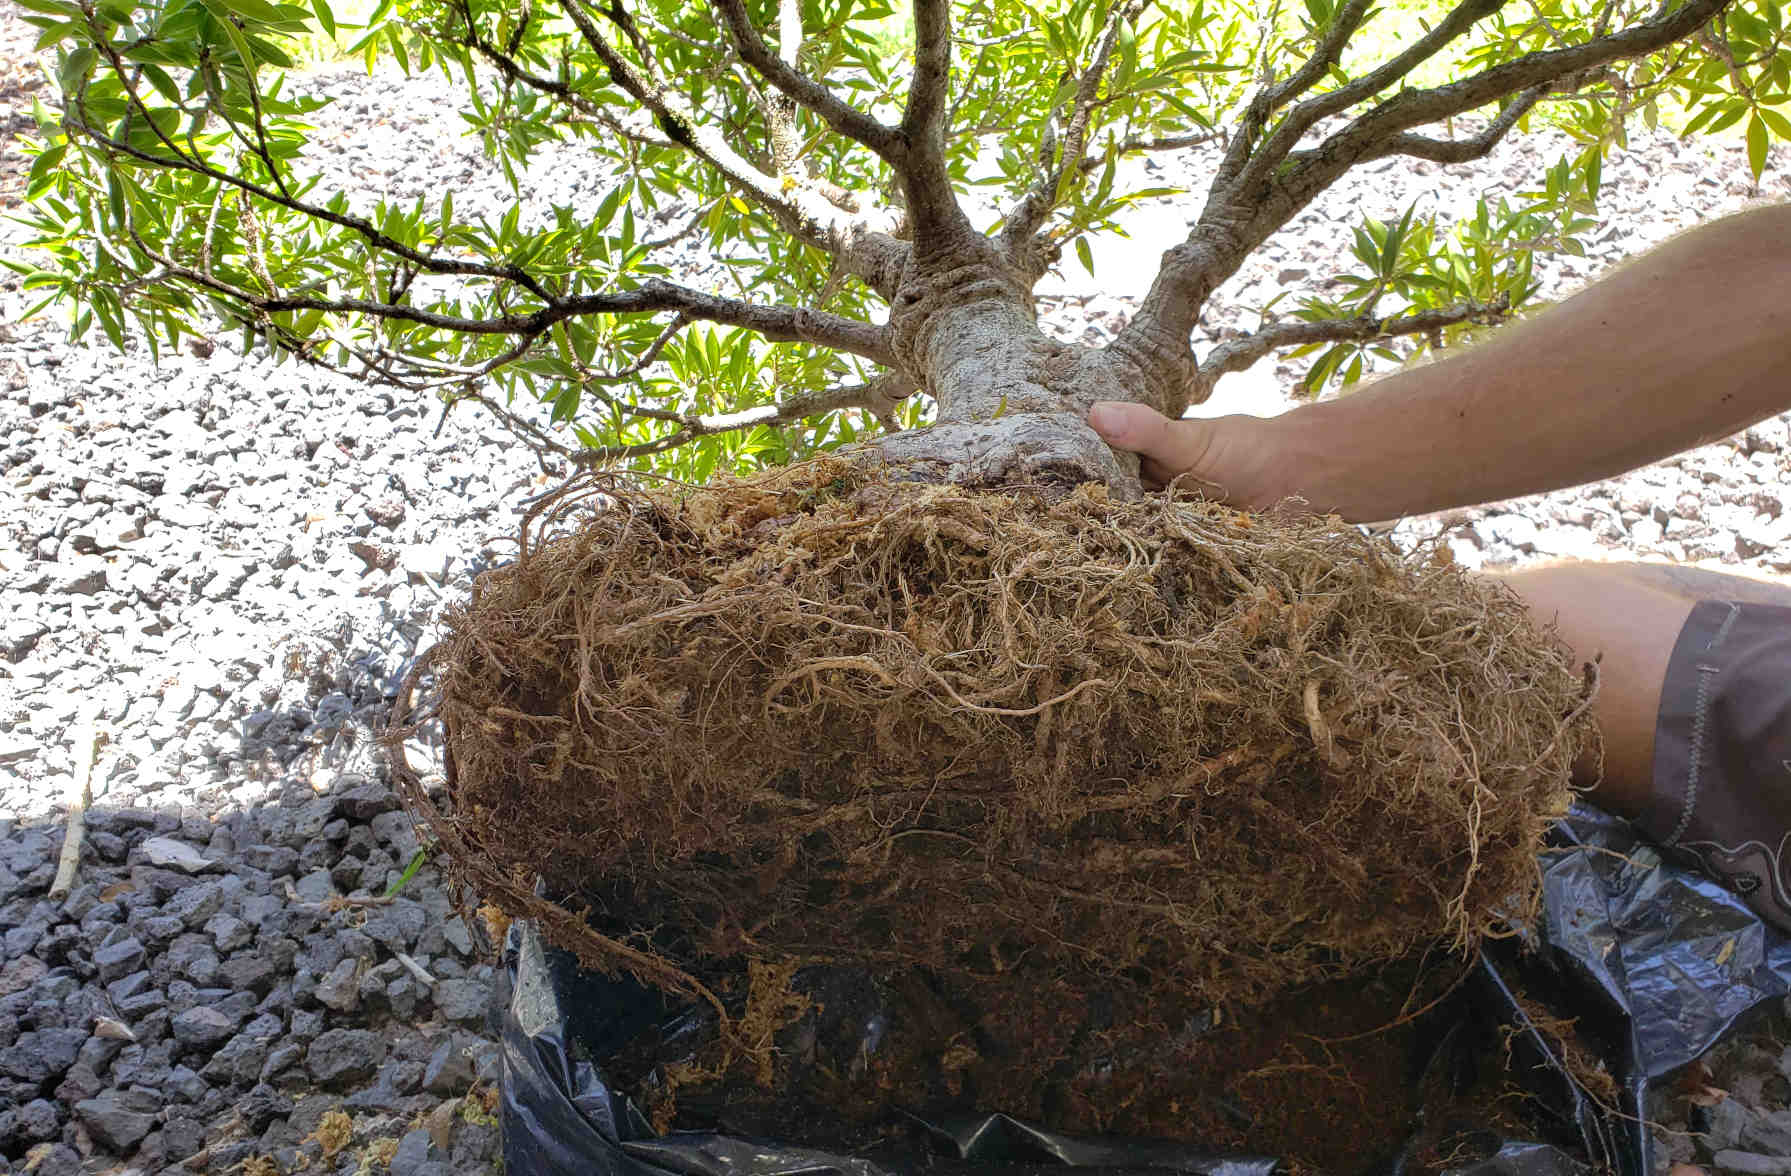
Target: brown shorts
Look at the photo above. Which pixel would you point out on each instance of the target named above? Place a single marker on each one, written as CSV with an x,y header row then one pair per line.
x,y
1722,751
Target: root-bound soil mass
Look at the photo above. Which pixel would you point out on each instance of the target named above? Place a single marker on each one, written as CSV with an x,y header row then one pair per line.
x,y
1330,1077
1017,733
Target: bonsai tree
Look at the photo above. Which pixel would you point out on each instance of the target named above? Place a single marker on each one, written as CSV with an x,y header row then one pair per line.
x,y
1064,728
827,149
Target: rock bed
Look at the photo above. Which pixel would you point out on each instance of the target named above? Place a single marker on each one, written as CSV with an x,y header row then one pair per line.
x,y
225,564
214,1010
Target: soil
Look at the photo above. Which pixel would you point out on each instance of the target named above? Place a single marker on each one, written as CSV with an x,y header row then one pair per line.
x,y
1337,1077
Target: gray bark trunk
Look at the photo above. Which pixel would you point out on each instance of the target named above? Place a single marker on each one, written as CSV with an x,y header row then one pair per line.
x,y
1012,402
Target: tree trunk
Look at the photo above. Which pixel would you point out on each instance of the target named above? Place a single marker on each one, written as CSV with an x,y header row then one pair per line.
x,y
1012,402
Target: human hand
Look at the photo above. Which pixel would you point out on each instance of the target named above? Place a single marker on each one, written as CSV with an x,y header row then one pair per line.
x,y
1215,454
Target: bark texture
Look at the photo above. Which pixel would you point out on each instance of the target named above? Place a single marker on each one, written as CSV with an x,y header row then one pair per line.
x,y
1012,402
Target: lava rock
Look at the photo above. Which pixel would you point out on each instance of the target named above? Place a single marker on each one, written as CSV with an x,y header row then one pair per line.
x,y
43,1055
450,1069
462,1000
342,1056
112,1123
119,960
203,1027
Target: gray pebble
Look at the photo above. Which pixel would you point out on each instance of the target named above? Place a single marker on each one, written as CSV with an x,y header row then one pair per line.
x,y
119,960
463,1001
315,887
203,1027
342,1056
414,1150
112,1123
339,989
450,1069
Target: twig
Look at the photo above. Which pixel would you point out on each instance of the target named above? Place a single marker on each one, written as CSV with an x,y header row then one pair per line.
x,y
415,969
844,118
1140,145
88,736
1237,354
1030,213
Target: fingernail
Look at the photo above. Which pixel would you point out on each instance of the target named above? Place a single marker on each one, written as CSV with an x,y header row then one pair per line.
x,y
1103,416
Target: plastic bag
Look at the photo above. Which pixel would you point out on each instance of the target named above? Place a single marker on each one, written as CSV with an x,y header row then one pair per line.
x,y
1660,961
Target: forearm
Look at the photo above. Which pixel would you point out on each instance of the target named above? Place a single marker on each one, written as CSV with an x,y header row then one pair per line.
x,y
1628,615
1686,345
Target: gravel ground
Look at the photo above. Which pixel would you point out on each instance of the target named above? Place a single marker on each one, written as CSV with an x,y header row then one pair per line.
x,y
217,568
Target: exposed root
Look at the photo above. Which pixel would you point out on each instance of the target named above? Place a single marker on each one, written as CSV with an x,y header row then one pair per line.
x,y
819,716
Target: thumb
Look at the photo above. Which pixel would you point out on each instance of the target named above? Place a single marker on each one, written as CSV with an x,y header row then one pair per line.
x,y
1174,446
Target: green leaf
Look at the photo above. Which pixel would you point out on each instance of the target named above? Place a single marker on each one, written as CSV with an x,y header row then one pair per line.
x,y
395,38
237,41
75,67
1757,141
52,34
1733,113
1703,118
416,863
1128,57
257,11
325,17
51,8
111,317
1085,255
1779,124
42,168
115,198
606,208
164,85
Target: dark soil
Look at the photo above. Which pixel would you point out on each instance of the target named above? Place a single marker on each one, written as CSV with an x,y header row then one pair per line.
x,y
1331,1077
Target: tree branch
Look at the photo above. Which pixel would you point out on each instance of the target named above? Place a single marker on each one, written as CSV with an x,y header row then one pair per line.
x,y
424,374
620,17
1238,354
940,227
838,114
1459,150
780,111
1245,210
925,116
180,160
1030,212
878,397
1307,114
778,324
1270,98
872,255
1542,70
1141,145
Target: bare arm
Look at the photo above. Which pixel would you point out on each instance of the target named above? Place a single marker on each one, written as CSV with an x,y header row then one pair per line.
x,y
1688,344
1629,615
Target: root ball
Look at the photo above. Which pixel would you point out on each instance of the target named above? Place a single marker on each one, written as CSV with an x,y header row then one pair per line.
x,y
822,717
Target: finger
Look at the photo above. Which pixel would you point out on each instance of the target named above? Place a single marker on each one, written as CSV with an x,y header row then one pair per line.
x,y
1145,431
1156,474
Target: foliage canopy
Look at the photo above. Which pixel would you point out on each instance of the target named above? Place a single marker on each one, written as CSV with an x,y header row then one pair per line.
x,y
829,150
